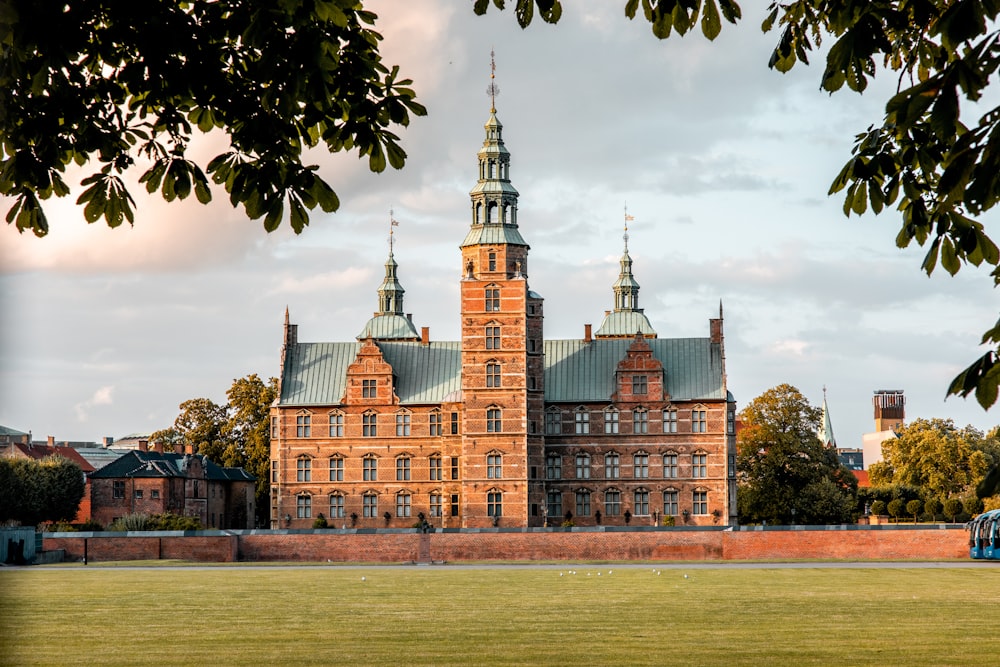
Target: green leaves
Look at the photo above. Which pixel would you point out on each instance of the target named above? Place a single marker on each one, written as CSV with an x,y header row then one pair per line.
x,y
108,83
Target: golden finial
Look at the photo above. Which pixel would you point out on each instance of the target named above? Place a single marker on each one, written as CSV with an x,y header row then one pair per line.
x,y
493,89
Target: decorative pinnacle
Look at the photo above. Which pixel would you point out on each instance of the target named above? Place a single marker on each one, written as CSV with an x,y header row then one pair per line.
x,y
392,223
493,89
627,218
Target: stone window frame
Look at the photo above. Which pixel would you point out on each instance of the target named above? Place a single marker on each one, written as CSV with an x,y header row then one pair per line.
x,y
336,506
435,422
699,501
612,502
553,465
303,506
336,467
369,388
369,424
584,495
404,467
494,419
699,464
581,420
404,418
640,502
612,421
640,466
671,461
583,464
493,373
303,424
612,464
494,503
335,419
303,468
494,464
369,468
435,471
491,298
553,421
369,504
553,503
671,501
640,421
491,336
404,504
699,419
640,384
670,419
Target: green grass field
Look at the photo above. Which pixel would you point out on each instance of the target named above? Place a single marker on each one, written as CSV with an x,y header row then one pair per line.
x,y
499,616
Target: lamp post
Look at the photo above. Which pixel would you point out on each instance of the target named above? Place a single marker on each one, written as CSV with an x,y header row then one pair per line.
x,y
793,516
545,515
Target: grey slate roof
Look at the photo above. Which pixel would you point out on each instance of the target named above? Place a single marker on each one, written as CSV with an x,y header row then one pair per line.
x,y
154,464
389,326
6,430
316,373
493,234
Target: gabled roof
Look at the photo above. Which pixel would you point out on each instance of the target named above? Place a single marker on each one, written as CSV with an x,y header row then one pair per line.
x,y
6,430
42,451
575,370
138,464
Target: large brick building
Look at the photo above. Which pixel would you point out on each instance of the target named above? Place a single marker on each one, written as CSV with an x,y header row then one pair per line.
x,y
503,427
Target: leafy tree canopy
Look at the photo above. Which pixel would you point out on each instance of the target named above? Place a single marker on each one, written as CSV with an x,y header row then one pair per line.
x,y
786,473
125,85
235,434
34,492
937,457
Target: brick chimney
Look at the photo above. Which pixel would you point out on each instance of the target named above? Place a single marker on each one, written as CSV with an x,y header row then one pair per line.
x,y
425,335
143,445
50,441
587,335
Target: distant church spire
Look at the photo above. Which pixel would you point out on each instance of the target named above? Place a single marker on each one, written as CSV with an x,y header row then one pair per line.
x,y
390,292
826,430
626,288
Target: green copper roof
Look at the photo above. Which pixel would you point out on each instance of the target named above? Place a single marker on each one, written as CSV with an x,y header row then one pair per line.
x,y
389,327
625,323
575,371
493,234
580,371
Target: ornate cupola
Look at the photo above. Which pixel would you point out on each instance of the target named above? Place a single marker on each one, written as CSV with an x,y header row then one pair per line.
x,y
494,200
389,322
627,319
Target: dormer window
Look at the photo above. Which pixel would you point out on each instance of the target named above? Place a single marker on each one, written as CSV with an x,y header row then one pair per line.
x,y
369,388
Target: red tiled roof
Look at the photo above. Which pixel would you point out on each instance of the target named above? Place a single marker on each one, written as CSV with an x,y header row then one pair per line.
x,y
862,476
41,451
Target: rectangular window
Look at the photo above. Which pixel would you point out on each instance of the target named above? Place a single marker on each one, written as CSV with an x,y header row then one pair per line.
x,y
531,345
369,428
336,425
403,505
137,494
492,299
274,427
700,502
494,504
336,469
553,505
612,503
670,466
493,420
732,466
583,503
369,469
454,423
402,424
553,466
640,384
640,421
640,466
402,469
731,423
274,472
611,421
492,338
155,494
303,426
454,467
669,503
494,466
369,506
698,421
436,504
670,421
553,422
303,470
492,261
582,422
369,388
641,502
435,423
434,464
454,504
303,507
492,375
583,466
699,467
612,466
336,507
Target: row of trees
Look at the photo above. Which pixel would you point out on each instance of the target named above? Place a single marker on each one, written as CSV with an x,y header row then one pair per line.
x,y
930,469
233,434
34,492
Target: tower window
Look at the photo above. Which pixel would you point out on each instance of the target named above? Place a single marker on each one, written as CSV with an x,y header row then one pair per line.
x,y
493,417
492,374
493,338
494,466
492,299
492,261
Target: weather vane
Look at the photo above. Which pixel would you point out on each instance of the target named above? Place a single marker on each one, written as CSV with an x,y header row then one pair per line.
x,y
392,223
493,89
627,218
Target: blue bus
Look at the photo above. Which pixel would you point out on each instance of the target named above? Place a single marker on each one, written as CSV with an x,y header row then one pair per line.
x,y
984,536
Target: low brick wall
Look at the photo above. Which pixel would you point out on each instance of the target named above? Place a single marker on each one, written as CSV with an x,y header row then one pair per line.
x,y
581,544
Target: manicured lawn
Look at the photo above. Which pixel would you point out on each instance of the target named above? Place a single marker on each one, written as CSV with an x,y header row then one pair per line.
x,y
499,616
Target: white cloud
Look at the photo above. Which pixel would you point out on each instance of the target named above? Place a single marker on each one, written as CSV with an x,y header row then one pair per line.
x,y
102,396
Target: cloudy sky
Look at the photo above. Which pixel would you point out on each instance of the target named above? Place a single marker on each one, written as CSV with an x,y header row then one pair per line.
x,y
724,164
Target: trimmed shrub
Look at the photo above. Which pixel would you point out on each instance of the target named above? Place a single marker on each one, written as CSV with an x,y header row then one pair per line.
x,y
913,509
896,507
952,508
320,521
878,508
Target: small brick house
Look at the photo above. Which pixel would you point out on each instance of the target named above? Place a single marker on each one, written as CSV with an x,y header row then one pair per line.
x,y
149,482
503,427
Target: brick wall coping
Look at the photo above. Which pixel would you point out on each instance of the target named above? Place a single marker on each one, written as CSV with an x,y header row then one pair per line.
x,y
501,530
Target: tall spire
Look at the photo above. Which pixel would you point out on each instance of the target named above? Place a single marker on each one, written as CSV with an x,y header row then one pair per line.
x,y
826,429
494,199
626,288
